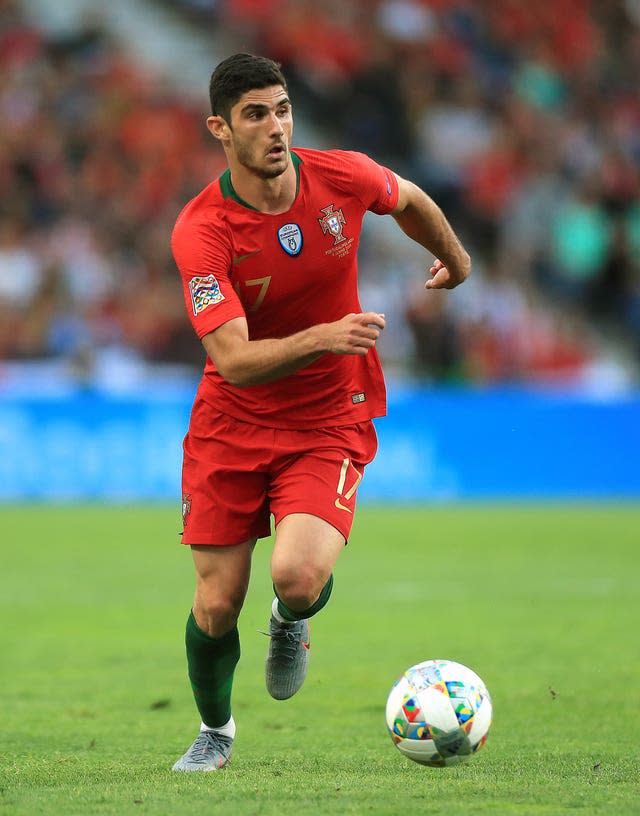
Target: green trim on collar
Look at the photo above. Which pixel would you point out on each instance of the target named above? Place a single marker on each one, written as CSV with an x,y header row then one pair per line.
x,y
296,161
228,191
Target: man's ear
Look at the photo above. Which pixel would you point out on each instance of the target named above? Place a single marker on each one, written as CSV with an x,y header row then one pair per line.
x,y
218,128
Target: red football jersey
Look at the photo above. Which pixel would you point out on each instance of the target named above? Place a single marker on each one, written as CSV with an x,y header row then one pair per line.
x,y
285,273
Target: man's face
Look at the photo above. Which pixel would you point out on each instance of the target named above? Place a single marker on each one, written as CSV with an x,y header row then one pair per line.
x,y
260,131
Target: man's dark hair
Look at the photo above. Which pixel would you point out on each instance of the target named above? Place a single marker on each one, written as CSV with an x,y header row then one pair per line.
x,y
238,74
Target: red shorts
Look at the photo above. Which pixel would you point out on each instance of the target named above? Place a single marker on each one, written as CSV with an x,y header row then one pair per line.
x,y
235,475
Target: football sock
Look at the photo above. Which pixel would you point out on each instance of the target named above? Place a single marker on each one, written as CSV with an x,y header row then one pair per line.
x,y
212,662
285,613
227,730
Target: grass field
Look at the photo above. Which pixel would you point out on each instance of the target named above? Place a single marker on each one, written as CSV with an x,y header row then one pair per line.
x,y
542,601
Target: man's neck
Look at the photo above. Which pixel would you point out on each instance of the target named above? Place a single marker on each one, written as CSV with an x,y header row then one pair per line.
x,y
271,196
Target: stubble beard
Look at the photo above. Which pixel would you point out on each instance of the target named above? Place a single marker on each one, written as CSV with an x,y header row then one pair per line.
x,y
246,158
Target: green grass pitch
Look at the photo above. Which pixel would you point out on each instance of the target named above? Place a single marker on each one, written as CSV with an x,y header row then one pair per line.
x,y
541,601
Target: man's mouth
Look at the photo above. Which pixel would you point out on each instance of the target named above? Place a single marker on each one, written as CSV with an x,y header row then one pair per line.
x,y
277,151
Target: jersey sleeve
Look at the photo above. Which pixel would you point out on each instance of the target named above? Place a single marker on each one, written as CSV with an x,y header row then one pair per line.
x,y
203,258
375,185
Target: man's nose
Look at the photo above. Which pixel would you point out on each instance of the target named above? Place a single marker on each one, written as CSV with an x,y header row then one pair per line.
x,y
276,124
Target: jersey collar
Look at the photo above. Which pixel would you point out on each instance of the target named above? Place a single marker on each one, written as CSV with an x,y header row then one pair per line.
x,y
228,191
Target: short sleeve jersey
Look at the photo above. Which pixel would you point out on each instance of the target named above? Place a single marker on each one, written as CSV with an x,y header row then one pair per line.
x,y
285,273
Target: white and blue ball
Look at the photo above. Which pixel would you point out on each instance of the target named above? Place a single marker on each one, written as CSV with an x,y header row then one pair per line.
x,y
439,713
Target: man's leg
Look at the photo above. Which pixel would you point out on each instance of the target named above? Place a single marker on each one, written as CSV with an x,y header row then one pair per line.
x,y
213,649
304,555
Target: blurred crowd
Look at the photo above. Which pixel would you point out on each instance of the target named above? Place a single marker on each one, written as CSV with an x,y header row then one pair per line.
x,y
521,119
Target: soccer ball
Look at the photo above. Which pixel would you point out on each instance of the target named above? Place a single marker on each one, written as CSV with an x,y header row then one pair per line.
x,y
439,713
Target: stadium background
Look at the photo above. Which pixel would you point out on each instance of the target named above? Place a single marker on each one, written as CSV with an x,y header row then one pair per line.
x,y
522,120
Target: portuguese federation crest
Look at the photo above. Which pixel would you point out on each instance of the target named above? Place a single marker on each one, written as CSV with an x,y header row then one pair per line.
x,y
186,506
332,222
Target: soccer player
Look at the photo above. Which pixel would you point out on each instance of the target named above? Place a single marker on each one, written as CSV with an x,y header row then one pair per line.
x,y
281,423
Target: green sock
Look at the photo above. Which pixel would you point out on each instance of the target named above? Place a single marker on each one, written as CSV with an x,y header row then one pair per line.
x,y
291,615
212,662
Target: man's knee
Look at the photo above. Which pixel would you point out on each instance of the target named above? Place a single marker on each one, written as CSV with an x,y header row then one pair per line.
x,y
299,587
222,580
216,613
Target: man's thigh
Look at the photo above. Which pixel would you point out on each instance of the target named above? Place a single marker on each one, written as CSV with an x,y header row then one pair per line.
x,y
322,480
306,545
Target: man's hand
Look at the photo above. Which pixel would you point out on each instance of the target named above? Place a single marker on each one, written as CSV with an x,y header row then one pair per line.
x,y
441,277
354,333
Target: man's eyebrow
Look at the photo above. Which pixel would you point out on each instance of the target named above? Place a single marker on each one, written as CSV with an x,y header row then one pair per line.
x,y
261,106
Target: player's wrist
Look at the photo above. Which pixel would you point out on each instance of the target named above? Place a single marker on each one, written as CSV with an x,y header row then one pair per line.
x,y
316,340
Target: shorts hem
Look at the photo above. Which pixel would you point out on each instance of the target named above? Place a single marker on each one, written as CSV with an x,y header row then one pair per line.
x,y
209,540
324,516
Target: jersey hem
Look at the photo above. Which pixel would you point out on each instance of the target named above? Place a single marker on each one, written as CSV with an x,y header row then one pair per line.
x,y
340,421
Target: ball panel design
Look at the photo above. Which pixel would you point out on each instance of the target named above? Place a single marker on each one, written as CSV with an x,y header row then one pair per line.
x,y
424,753
437,710
453,744
481,724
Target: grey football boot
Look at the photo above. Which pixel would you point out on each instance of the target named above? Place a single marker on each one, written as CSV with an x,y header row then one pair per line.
x,y
210,751
288,657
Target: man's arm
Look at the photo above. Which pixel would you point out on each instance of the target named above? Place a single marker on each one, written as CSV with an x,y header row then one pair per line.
x,y
421,219
244,362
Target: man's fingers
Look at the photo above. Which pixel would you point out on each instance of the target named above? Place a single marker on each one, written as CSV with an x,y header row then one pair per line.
x,y
357,333
373,319
440,279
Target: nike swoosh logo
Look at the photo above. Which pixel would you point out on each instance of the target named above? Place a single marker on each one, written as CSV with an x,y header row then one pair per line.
x,y
240,258
341,506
